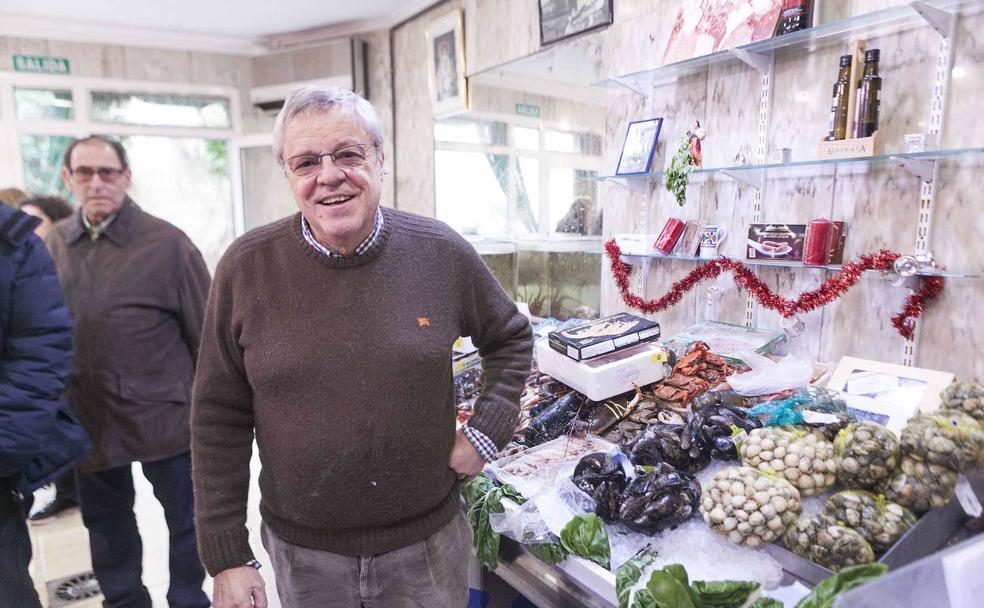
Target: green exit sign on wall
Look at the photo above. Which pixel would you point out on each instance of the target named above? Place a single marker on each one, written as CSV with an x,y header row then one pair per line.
x,y
41,64
528,109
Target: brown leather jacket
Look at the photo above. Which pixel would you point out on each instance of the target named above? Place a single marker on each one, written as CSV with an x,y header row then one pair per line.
x,y
137,295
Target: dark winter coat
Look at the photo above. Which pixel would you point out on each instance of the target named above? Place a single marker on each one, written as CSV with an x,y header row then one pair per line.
x,y
137,296
40,438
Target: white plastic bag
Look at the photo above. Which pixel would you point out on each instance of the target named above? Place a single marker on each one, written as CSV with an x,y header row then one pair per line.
x,y
768,376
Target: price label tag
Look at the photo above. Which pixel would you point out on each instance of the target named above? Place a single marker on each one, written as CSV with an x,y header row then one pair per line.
x,y
660,357
968,498
738,436
811,417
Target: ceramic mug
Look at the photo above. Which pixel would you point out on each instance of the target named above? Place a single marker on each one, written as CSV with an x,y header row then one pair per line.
x,y
711,237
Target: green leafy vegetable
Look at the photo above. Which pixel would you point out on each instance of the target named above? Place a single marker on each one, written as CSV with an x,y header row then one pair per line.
x,y
552,553
723,594
766,602
483,498
668,591
677,174
630,587
823,594
585,536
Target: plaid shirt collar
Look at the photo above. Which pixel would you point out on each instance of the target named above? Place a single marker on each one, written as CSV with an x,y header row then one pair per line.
x,y
360,250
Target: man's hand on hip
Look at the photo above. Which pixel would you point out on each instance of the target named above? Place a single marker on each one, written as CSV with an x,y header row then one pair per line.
x,y
239,588
465,459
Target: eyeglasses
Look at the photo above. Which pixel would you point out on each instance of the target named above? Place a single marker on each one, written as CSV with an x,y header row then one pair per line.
x,y
106,174
349,157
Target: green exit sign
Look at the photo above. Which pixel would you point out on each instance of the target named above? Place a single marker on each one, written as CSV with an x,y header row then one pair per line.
x,y
528,109
41,64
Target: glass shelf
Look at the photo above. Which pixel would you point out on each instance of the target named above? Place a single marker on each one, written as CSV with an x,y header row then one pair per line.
x,y
508,245
638,259
868,25
914,162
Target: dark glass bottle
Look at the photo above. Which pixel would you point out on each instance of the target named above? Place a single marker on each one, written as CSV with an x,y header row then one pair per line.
x,y
869,97
794,15
838,103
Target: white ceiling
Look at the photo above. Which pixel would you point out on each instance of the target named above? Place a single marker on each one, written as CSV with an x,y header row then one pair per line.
x,y
244,21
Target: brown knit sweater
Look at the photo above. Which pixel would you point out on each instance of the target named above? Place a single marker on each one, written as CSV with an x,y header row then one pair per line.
x,y
343,368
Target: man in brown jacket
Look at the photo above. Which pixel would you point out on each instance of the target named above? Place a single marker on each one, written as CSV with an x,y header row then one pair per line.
x,y
136,287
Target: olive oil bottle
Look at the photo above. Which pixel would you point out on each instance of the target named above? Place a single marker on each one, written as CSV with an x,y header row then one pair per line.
x,y
869,97
794,15
839,101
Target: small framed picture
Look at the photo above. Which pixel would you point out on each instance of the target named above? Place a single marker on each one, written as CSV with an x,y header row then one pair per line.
x,y
639,148
887,393
560,19
446,59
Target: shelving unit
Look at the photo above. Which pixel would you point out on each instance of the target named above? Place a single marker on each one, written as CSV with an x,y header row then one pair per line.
x,y
939,14
919,164
639,260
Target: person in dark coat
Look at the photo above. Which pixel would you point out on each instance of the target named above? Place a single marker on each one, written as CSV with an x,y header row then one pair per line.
x,y
51,209
40,438
136,287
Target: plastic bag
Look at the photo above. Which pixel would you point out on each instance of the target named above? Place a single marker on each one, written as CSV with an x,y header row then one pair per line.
x,y
920,486
659,499
822,540
865,453
967,397
560,503
880,522
603,478
675,444
522,523
811,406
803,458
750,507
768,376
949,438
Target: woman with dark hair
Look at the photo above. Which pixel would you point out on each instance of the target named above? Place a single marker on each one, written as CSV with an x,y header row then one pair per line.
x,y
49,209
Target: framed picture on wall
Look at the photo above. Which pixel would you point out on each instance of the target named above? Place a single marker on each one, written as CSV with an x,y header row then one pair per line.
x,y
639,147
562,18
446,59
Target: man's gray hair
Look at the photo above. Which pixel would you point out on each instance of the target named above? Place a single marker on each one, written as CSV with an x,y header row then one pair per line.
x,y
321,98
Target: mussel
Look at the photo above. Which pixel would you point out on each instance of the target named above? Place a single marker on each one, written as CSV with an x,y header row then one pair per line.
x,y
601,476
659,499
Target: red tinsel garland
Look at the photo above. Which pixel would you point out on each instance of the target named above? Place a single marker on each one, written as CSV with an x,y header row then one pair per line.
x,y
830,290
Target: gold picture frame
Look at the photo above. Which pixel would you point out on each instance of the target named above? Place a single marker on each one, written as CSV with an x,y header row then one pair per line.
x,y
446,63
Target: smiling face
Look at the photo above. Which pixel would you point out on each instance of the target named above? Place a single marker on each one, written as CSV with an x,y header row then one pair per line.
x,y
339,203
98,197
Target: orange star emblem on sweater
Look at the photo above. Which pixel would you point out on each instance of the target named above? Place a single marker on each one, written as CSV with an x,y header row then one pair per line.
x,y
423,321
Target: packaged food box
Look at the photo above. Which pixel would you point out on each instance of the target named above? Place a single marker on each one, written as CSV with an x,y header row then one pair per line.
x,y
603,335
609,375
775,242
727,340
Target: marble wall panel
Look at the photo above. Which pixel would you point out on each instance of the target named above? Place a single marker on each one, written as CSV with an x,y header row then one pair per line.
x,y
157,64
497,32
962,127
381,95
413,118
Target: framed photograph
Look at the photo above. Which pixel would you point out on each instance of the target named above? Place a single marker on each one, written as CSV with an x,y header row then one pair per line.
x,y
446,59
560,19
701,28
639,148
886,393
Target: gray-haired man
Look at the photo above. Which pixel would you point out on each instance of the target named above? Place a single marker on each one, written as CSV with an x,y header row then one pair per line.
x,y
328,334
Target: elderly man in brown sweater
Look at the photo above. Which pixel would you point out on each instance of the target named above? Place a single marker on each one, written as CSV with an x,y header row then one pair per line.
x,y
329,335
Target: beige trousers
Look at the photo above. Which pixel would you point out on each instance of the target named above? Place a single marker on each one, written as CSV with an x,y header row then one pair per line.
x,y
430,574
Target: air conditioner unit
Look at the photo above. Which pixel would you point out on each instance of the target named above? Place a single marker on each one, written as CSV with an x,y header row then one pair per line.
x,y
271,98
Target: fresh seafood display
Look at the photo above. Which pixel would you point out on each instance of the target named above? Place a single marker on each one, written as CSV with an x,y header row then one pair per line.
x,y
948,438
865,454
726,398
967,397
675,444
803,458
555,420
602,477
714,426
920,486
881,523
638,414
822,540
659,499
749,507
693,374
